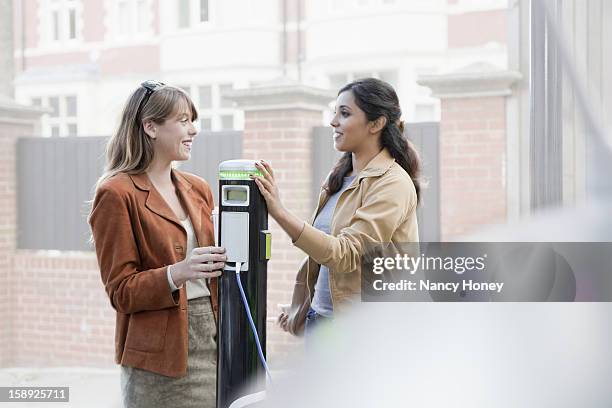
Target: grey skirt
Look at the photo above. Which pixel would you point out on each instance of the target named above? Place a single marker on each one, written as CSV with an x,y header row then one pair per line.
x,y
140,388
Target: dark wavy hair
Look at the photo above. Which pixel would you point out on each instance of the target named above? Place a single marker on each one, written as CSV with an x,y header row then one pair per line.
x,y
377,98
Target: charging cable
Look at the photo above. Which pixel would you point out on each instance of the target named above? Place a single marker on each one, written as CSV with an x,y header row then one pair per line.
x,y
252,323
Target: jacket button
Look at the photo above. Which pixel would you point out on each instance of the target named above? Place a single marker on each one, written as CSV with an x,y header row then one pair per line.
x,y
178,249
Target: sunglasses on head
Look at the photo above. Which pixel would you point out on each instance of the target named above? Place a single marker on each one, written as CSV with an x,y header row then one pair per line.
x,y
150,86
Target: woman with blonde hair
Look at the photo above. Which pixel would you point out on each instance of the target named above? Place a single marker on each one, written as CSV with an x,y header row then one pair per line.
x,y
153,235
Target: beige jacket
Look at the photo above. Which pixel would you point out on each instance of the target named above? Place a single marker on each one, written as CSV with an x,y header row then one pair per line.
x,y
378,206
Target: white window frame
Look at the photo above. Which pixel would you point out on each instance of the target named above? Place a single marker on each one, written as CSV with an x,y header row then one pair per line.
x,y
221,110
424,105
62,121
194,16
215,111
199,12
62,8
140,25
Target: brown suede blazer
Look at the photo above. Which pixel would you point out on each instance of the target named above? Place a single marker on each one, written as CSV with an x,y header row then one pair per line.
x,y
136,237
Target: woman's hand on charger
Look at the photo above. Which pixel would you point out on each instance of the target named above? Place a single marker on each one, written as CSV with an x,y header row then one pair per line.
x,y
203,262
269,189
292,225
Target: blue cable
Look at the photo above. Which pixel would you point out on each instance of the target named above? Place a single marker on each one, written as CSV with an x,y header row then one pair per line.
x,y
252,323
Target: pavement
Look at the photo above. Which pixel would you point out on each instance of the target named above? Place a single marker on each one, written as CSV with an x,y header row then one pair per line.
x,y
89,387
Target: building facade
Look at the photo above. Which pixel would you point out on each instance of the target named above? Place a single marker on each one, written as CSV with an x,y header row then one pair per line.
x,y
80,59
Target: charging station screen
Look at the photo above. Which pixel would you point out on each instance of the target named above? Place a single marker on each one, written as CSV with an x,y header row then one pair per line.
x,y
236,195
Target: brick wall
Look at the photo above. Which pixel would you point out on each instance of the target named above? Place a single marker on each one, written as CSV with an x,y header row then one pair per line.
x,y
62,316
473,146
14,122
472,164
283,138
53,307
8,218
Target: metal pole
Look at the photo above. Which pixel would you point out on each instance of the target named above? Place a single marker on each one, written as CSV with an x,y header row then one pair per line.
x,y
602,145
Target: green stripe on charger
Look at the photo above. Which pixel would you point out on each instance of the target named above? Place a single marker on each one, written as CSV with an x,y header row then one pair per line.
x,y
238,174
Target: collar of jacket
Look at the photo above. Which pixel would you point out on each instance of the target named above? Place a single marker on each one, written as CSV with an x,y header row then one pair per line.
x,y
156,203
375,167
378,165
143,182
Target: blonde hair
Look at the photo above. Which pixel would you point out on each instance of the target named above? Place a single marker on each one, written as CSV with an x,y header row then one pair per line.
x,y
130,150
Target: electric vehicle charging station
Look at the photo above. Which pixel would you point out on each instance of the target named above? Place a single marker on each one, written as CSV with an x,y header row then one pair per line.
x,y
243,232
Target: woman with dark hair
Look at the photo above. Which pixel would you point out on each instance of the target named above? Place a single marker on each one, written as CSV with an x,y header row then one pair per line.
x,y
370,196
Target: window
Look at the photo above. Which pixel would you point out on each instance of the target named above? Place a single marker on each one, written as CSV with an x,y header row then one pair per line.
x,y
205,124
124,17
142,14
133,17
185,88
205,94
336,5
216,112
223,89
192,12
54,105
337,81
55,25
203,10
71,108
424,113
183,13
61,20
72,24
390,77
227,122
72,129
62,118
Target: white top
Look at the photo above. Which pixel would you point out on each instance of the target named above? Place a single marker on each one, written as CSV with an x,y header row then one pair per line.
x,y
195,288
